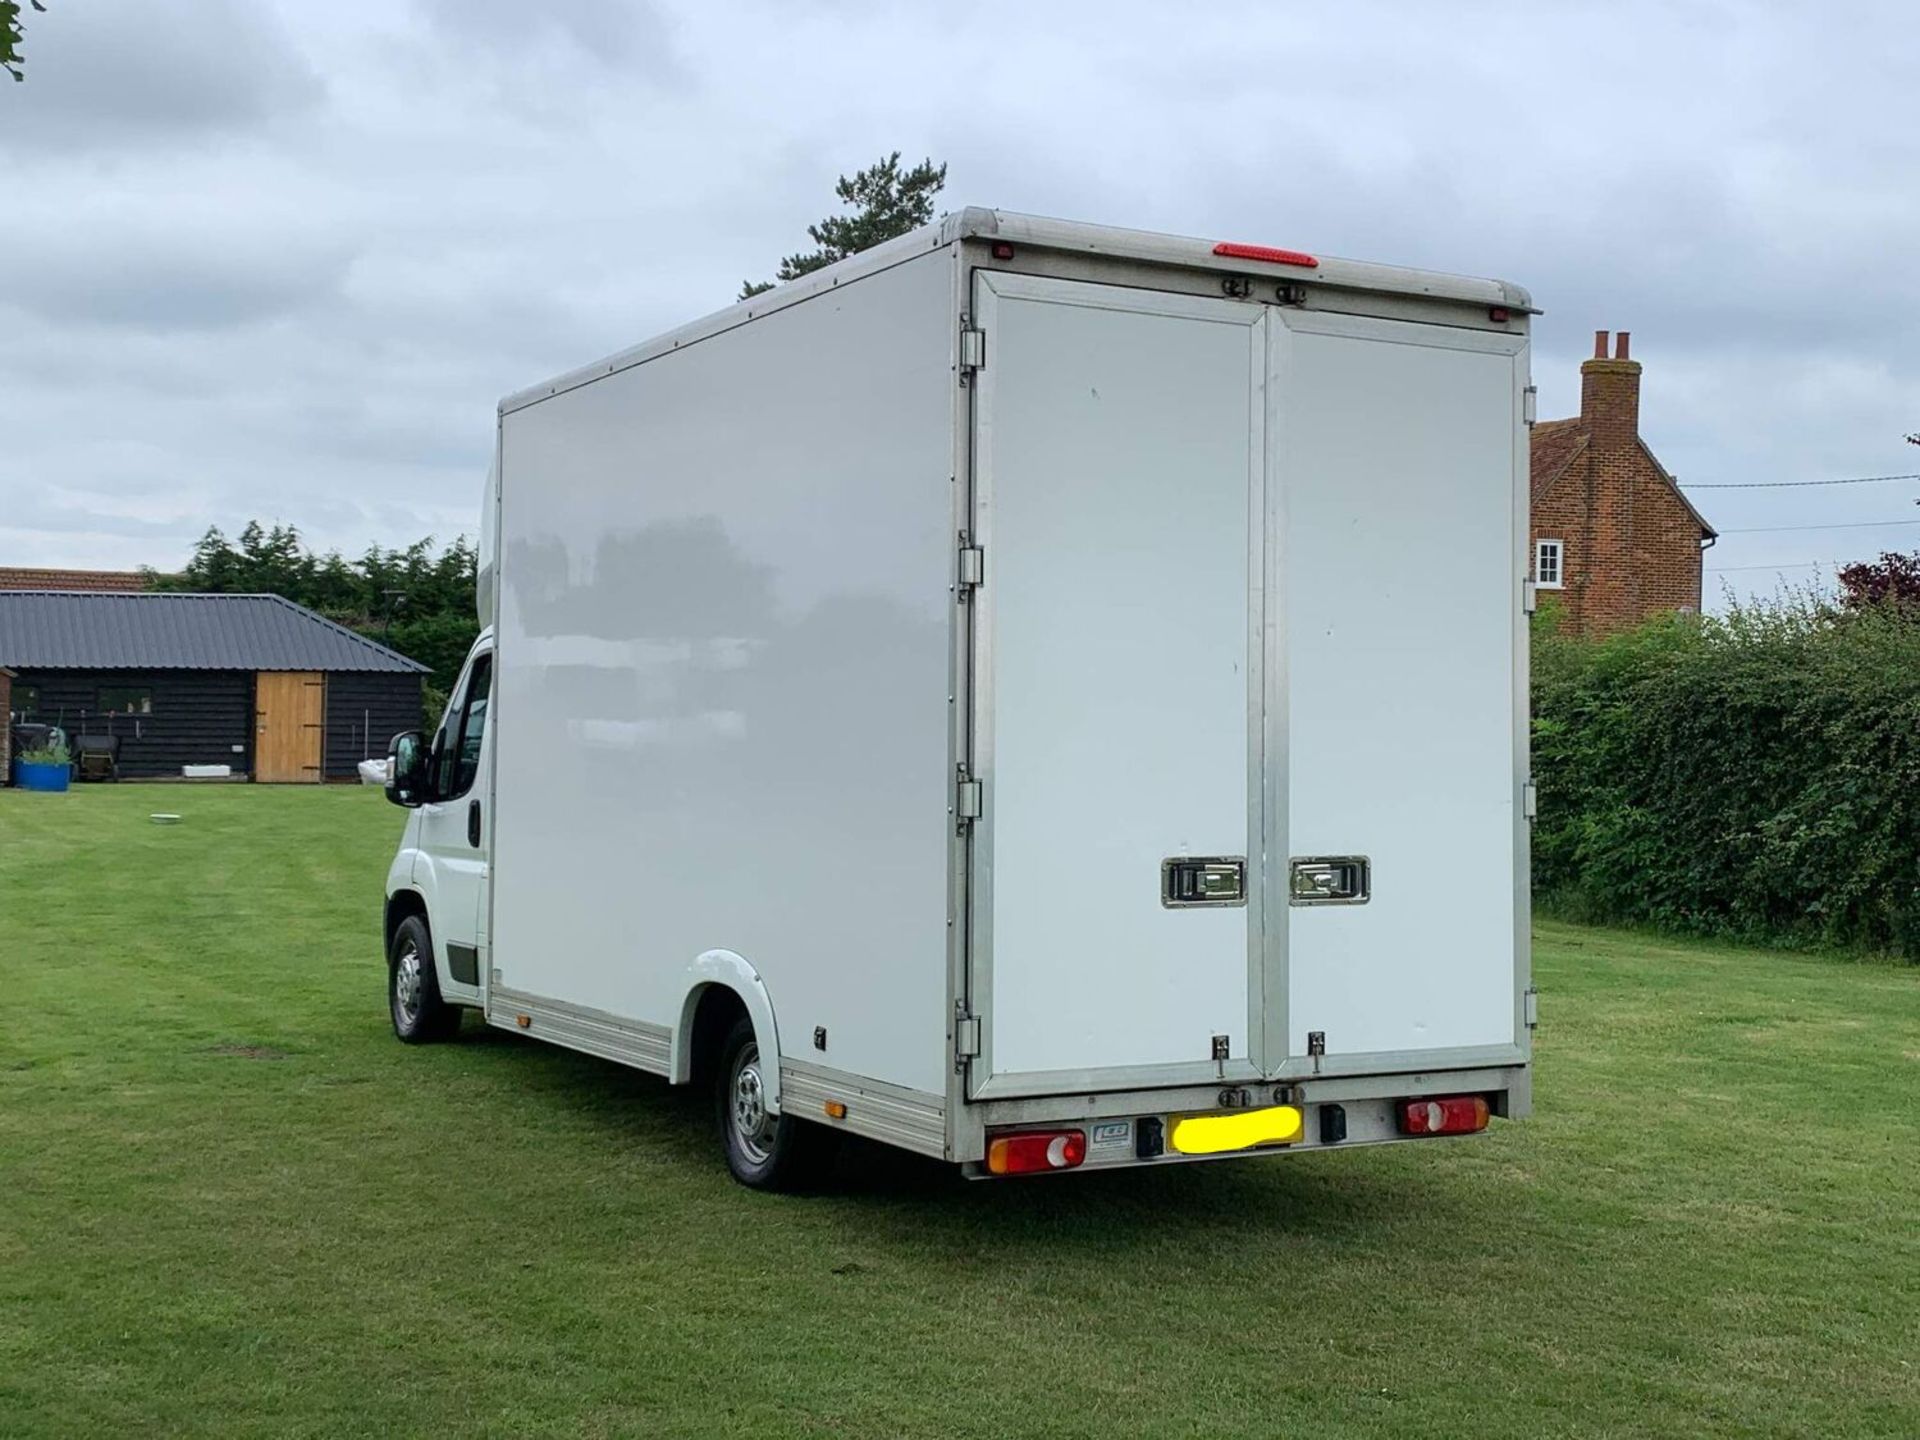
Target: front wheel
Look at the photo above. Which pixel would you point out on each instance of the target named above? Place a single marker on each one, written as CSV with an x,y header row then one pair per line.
x,y
413,989
764,1151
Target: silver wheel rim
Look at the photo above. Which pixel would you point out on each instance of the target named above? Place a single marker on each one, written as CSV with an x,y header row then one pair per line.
x,y
747,1107
406,987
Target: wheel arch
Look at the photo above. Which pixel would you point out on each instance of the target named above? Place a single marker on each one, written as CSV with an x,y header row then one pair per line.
x,y
717,985
401,904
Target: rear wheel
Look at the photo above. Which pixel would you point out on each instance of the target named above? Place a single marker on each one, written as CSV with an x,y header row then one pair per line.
x,y
413,989
765,1151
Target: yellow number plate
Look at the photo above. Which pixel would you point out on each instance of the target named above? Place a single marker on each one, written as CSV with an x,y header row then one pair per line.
x,y
1240,1130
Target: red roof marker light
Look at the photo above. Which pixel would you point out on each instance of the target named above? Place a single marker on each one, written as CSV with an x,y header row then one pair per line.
x,y
1235,251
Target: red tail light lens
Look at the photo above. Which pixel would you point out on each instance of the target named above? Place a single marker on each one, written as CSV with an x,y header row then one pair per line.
x,y
1029,1152
1234,251
1455,1115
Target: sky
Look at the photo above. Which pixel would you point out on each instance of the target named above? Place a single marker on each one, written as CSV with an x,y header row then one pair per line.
x,y
281,260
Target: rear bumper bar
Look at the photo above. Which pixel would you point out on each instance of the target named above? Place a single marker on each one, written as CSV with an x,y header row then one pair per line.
x,y
1366,1104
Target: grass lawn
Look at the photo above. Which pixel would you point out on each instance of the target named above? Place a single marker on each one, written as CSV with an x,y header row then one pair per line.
x,y
231,1203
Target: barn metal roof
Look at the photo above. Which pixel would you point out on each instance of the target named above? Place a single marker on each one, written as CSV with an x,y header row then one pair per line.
x,y
79,630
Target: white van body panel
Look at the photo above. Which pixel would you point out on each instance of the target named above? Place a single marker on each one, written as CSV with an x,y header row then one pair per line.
x,y
723,718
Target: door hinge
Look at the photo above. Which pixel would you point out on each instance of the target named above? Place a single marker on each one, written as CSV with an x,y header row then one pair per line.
x,y
1529,596
1530,1007
967,798
1529,403
973,350
966,1036
1530,800
973,566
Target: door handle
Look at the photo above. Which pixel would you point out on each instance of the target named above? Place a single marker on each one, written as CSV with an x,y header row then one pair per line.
x,y
473,823
1330,880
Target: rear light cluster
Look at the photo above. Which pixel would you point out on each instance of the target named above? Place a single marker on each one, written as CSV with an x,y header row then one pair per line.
x,y
1031,1152
1454,1115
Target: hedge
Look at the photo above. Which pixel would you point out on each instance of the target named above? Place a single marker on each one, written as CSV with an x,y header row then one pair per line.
x,y
1754,775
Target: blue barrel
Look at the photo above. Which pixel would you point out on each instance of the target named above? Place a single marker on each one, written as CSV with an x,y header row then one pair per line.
x,y
40,777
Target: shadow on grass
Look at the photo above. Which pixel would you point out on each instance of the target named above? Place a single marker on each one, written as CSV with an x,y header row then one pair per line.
x,y
1345,1196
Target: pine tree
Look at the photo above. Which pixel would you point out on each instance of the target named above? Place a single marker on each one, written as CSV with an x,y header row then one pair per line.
x,y
886,203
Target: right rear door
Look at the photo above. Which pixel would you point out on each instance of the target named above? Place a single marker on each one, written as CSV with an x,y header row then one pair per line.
x,y
1397,693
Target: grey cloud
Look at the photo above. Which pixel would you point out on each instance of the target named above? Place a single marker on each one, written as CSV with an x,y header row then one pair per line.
x,y
174,286
64,512
627,35
132,75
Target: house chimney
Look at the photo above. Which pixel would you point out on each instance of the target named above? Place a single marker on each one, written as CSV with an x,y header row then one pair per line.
x,y
1610,392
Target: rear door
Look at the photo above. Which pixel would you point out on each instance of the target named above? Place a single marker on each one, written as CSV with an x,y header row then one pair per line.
x,y
1399,693
1118,485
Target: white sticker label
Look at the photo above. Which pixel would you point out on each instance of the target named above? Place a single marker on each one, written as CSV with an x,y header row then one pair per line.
x,y
1111,1134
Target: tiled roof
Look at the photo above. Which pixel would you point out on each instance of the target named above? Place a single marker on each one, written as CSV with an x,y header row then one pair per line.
x,y
78,630
1555,443
16,577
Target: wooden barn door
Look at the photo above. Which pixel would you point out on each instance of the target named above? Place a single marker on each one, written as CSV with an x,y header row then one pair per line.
x,y
288,710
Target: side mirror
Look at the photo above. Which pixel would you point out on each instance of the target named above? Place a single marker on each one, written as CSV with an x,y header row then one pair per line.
x,y
407,769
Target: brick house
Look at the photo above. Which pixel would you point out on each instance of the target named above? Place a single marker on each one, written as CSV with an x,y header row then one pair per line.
x,y
1614,540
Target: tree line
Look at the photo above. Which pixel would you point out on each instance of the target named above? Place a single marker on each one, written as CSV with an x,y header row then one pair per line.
x,y
418,599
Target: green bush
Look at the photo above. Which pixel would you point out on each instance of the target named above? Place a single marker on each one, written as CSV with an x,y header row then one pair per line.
x,y
1754,775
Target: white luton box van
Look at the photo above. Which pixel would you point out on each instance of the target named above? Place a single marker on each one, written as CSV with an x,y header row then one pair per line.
x,y
1044,696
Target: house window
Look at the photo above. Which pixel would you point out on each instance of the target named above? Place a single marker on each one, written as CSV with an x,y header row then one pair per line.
x,y
25,703
1547,564
126,700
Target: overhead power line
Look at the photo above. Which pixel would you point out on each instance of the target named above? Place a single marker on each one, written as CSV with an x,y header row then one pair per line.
x,y
1790,484
1781,565
1782,529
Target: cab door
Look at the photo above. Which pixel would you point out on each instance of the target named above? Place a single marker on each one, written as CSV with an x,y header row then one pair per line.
x,y
454,837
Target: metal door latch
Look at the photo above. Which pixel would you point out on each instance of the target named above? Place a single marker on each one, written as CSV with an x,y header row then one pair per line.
x,y
1329,880
1192,880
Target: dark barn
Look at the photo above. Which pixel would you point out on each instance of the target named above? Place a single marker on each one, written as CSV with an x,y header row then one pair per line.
x,y
254,682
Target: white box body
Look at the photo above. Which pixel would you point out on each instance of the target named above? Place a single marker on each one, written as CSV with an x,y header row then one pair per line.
x,y
878,649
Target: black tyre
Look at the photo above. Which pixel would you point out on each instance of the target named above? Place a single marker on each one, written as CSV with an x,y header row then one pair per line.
x,y
419,1015
766,1152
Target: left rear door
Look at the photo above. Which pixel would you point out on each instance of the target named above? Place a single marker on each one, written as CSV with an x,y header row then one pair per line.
x,y
1119,495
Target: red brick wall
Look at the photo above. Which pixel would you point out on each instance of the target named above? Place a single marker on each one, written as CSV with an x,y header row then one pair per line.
x,y
1666,555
